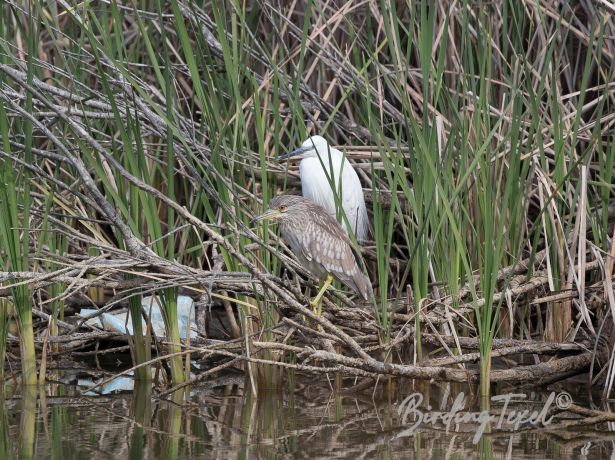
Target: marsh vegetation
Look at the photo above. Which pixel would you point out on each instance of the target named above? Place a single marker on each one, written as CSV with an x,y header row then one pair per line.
x,y
139,139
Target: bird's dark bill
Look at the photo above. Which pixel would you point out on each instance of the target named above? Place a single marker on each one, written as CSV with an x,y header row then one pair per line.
x,y
266,215
294,153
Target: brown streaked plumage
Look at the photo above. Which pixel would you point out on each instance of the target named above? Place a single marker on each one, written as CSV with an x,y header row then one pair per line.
x,y
319,242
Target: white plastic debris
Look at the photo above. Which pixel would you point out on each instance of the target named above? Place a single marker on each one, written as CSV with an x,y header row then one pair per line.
x,y
122,322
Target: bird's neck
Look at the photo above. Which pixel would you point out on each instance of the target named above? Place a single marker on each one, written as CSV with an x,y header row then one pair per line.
x,y
332,157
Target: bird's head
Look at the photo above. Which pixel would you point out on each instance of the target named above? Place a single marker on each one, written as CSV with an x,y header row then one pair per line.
x,y
282,207
311,147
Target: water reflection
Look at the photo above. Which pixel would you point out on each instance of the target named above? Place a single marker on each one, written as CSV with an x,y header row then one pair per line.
x,y
141,413
299,418
4,424
27,422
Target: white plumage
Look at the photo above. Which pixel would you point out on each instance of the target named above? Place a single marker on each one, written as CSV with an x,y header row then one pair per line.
x,y
323,166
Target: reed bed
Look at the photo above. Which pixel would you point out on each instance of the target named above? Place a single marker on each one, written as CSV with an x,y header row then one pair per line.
x,y
139,140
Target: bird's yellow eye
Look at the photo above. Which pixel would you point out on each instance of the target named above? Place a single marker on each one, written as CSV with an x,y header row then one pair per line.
x,y
282,208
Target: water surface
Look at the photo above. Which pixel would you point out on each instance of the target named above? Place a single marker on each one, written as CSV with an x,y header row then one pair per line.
x,y
298,417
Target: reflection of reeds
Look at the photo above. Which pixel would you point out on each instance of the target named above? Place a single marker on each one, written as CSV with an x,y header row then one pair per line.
x,y
5,442
27,425
483,138
141,412
172,422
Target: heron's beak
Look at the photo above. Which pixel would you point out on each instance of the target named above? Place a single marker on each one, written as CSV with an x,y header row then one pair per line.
x,y
269,214
295,153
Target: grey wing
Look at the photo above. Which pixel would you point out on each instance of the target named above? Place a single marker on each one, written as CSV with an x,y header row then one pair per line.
x,y
296,242
334,253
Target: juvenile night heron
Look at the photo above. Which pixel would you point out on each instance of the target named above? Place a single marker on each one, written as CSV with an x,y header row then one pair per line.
x,y
319,242
324,169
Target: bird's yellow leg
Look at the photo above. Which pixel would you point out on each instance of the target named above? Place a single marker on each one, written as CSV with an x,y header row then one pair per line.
x,y
316,300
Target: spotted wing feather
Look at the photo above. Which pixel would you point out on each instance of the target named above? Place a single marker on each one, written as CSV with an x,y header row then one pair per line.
x,y
326,244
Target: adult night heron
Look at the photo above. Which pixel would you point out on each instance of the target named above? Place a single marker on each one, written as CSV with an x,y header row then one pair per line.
x,y
319,242
324,169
